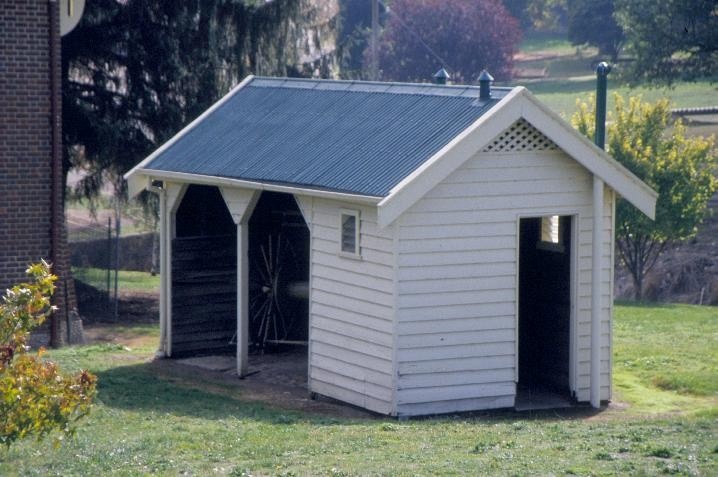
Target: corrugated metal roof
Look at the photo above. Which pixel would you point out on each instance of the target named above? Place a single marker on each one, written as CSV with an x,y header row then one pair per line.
x,y
345,136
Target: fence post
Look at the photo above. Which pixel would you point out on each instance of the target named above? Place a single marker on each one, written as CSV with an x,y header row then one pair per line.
x,y
109,257
117,256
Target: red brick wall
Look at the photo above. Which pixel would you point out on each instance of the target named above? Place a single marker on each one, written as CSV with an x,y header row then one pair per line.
x,y
26,142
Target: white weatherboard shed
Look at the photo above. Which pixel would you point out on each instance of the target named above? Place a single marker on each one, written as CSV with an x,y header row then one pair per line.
x,y
459,253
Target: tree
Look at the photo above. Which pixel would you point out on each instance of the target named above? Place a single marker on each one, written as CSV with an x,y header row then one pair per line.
x,y
519,10
354,36
670,39
682,170
547,15
592,22
136,71
464,36
35,397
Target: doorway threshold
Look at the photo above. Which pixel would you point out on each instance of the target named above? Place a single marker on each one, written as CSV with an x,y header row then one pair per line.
x,y
538,398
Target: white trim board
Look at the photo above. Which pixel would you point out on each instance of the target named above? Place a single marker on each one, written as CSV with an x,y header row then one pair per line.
x,y
146,176
517,104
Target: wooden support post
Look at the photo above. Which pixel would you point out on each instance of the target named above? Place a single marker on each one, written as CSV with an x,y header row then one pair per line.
x,y
174,194
596,292
242,299
240,203
162,351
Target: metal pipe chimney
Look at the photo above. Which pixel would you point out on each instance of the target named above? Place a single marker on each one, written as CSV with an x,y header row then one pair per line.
x,y
602,71
485,80
441,76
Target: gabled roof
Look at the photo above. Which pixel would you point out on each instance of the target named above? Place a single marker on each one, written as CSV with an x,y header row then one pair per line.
x,y
519,103
353,137
382,143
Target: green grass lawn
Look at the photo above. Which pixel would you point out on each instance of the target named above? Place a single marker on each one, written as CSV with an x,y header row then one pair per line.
x,y
666,357
126,280
561,95
571,75
149,424
548,43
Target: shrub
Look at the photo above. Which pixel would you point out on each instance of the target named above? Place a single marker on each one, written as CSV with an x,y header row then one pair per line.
x,y
35,396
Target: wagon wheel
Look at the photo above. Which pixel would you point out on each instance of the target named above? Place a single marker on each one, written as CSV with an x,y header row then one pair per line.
x,y
268,287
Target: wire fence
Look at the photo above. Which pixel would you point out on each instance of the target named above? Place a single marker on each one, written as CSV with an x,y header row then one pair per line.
x,y
100,250
93,247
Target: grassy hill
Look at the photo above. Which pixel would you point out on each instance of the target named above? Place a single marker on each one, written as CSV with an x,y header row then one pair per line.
x,y
559,73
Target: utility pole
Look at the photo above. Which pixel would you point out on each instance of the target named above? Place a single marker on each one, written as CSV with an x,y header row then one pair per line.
x,y
374,40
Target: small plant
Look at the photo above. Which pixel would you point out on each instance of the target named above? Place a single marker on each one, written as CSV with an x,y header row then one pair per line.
x,y
35,397
660,452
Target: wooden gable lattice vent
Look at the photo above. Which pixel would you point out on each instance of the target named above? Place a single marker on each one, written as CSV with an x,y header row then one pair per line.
x,y
521,136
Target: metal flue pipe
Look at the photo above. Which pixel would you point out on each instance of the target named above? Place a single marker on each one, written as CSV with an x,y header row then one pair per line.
x,y
602,71
597,247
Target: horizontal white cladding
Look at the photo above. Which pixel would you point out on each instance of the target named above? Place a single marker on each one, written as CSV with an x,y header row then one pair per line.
x,y
351,309
457,269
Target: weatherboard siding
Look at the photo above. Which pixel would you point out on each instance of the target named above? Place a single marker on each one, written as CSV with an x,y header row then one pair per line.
x,y
456,279
352,309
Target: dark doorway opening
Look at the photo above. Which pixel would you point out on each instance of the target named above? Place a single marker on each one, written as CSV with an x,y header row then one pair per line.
x,y
204,275
278,275
544,311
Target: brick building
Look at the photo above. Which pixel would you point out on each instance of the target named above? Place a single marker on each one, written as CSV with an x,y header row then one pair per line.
x,y
32,224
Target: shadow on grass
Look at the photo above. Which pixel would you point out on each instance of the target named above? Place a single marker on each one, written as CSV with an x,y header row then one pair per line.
x,y
144,387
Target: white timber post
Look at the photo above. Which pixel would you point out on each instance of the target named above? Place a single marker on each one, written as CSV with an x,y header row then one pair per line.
x,y
596,292
173,198
240,203
242,299
162,351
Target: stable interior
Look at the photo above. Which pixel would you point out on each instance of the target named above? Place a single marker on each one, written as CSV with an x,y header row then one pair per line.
x,y
204,283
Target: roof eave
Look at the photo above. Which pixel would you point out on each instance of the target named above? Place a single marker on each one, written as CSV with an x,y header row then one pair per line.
x,y
146,176
135,183
593,158
517,104
448,159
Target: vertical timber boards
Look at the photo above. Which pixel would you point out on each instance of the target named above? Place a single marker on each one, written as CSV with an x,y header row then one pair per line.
x,y
204,295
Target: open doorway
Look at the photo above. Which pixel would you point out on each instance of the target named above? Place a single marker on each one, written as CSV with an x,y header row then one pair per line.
x,y
278,292
545,251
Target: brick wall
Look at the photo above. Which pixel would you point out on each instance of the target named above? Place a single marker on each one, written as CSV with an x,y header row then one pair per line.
x,y
26,145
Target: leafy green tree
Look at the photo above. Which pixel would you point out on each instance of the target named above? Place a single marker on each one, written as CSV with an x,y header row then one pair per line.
x,y
592,22
681,169
670,39
547,15
35,397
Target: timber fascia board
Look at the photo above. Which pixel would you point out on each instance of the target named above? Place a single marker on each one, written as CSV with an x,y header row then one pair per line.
x,y
201,179
518,103
586,153
452,156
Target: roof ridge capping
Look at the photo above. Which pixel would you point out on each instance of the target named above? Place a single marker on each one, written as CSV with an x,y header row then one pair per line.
x,y
396,87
